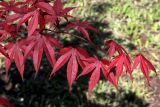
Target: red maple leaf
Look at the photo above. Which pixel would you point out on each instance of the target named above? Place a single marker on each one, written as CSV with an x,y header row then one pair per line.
x,y
15,53
73,56
113,46
145,65
7,30
10,5
82,27
54,12
96,67
33,23
50,17
20,12
120,62
35,15
36,44
32,17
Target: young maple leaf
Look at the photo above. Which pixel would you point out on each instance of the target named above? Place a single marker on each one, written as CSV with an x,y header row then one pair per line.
x,y
121,61
82,27
14,51
113,46
5,102
96,67
38,43
145,65
73,56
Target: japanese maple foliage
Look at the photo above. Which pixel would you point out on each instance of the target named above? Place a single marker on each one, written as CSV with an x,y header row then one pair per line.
x,y
95,66
24,33
145,65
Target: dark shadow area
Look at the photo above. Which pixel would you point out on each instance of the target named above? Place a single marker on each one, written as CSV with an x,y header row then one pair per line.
x,y
44,92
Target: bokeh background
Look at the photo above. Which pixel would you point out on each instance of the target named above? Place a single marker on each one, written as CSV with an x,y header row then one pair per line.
x,y
135,24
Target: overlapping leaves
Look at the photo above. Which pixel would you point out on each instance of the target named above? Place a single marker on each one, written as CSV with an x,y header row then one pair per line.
x,y
38,43
73,56
14,51
95,66
35,15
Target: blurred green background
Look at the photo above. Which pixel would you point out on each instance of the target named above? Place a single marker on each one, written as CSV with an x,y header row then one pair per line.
x,y
135,24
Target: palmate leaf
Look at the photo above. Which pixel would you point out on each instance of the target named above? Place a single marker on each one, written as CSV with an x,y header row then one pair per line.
x,y
73,56
38,43
33,23
20,12
113,46
55,12
145,65
96,67
35,16
11,5
82,27
33,46
15,54
119,63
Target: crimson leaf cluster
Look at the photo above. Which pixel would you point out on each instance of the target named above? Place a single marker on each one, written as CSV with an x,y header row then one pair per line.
x,y
37,16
